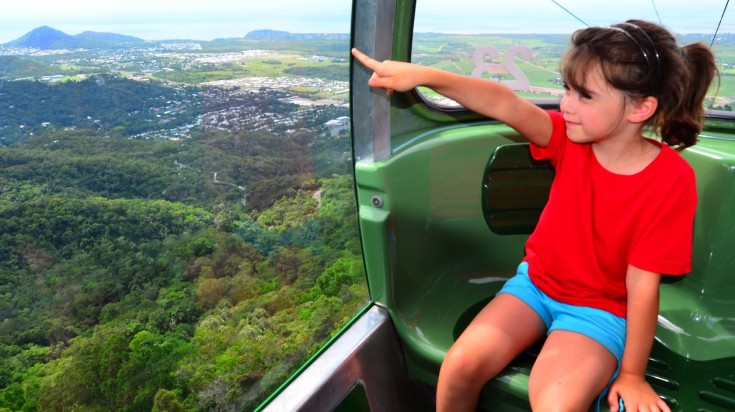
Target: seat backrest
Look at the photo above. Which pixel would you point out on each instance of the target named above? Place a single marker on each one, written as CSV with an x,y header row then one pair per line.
x,y
515,190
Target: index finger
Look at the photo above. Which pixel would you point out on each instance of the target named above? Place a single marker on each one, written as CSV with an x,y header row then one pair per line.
x,y
365,59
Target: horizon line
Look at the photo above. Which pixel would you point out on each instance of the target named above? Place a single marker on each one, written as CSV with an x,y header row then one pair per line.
x,y
242,36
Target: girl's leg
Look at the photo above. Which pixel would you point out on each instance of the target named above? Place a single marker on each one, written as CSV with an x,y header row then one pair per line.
x,y
501,331
570,372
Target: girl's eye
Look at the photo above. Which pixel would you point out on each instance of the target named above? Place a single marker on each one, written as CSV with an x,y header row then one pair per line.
x,y
583,93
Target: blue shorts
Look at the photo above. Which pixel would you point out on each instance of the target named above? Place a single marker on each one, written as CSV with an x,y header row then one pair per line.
x,y
600,325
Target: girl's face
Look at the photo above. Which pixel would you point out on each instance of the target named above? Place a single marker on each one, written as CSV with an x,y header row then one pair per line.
x,y
595,113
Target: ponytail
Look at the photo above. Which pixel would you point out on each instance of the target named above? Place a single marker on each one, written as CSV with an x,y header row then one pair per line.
x,y
681,113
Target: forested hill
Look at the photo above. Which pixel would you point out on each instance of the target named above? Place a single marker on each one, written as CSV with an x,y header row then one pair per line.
x,y
166,247
129,277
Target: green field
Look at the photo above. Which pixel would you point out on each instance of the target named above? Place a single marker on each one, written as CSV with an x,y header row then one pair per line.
x,y
455,53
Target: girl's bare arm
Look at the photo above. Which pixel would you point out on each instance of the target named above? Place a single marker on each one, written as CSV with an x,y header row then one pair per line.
x,y
631,385
486,97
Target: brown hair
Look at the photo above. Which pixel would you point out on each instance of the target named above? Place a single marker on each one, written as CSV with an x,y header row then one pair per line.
x,y
642,59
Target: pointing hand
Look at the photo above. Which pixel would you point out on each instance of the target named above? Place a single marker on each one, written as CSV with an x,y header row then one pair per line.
x,y
391,75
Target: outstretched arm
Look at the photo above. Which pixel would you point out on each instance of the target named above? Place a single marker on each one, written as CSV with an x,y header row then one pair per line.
x,y
631,385
486,97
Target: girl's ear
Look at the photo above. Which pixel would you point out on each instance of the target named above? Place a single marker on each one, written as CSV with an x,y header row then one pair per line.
x,y
643,109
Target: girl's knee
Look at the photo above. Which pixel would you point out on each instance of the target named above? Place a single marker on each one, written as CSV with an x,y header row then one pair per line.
x,y
558,401
456,360
462,365
560,395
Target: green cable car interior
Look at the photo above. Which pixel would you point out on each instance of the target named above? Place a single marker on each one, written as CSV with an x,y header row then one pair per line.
x,y
446,201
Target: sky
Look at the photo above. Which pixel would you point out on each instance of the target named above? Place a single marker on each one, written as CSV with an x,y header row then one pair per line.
x,y
174,19
209,19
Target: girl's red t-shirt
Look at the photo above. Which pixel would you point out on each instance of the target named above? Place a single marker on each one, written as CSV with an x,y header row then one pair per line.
x,y
596,223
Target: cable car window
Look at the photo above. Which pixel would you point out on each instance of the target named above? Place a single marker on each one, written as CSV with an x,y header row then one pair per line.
x,y
177,213
520,43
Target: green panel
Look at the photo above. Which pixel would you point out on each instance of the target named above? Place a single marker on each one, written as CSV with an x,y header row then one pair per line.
x,y
440,257
374,231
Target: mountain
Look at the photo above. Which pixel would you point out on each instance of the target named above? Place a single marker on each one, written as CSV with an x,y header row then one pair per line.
x,y
108,39
46,38
268,34
43,37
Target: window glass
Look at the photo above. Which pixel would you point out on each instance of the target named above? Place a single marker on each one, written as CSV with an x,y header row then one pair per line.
x,y
177,212
520,42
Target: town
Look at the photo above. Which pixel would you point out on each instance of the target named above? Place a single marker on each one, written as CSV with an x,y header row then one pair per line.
x,y
227,103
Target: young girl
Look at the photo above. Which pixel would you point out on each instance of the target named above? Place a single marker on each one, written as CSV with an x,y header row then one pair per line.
x,y
619,215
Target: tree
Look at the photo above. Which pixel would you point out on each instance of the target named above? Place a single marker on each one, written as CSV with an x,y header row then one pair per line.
x,y
166,401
